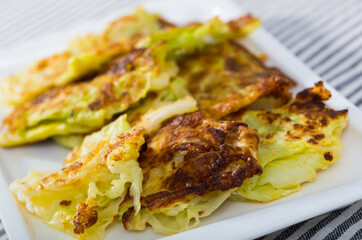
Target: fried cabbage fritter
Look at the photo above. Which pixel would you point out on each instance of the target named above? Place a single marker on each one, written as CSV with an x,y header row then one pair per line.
x,y
161,163
79,200
296,141
87,106
83,56
83,197
196,37
226,77
190,167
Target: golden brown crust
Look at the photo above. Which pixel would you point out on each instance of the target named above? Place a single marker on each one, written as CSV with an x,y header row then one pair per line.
x,y
309,104
203,155
125,63
227,77
124,138
72,171
273,85
85,217
127,217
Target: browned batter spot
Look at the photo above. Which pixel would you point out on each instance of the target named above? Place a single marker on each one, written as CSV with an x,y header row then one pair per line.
x,y
318,137
323,121
65,202
328,156
268,117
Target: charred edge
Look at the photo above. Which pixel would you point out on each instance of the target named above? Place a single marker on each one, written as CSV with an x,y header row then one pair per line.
x,y
311,99
84,218
316,94
323,114
164,24
335,114
306,106
126,217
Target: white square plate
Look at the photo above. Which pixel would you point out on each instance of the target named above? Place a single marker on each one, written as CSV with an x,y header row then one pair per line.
x,y
336,187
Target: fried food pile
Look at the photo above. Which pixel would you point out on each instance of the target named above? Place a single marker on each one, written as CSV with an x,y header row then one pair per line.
x,y
162,129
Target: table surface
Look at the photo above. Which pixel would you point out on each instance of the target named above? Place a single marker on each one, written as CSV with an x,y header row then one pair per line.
x,y
325,34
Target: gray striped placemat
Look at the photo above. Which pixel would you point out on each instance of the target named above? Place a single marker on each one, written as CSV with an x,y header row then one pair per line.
x,y
325,34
